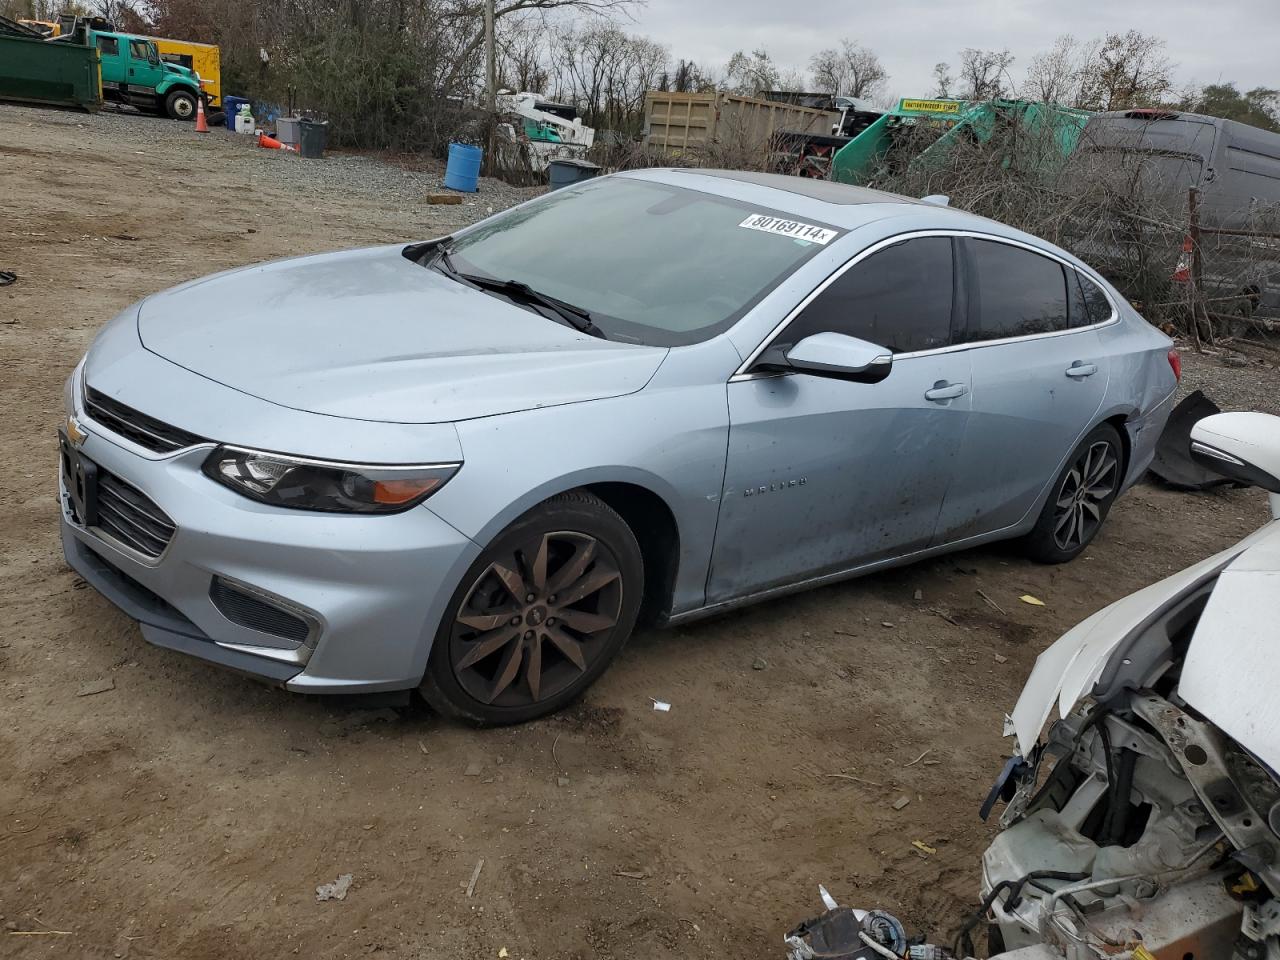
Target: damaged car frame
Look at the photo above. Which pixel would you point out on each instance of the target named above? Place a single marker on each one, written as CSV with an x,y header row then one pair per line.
x,y
1144,824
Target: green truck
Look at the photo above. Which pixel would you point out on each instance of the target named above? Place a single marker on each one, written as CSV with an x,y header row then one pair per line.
x,y
133,73
87,66
919,132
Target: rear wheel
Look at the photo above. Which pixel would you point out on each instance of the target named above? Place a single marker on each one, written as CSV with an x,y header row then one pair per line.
x,y
181,105
1081,498
539,615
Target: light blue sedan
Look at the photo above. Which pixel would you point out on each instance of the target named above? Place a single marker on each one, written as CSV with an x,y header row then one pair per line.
x,y
472,465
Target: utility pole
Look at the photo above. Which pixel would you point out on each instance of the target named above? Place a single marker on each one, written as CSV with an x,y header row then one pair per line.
x,y
491,61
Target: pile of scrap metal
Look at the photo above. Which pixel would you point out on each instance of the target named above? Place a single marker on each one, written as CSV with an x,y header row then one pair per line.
x,y
1144,824
804,153
539,130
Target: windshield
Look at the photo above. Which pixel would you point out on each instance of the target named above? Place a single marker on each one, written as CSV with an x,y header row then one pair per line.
x,y
652,263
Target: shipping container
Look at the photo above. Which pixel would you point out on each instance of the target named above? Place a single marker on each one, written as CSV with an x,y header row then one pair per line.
x,y
726,126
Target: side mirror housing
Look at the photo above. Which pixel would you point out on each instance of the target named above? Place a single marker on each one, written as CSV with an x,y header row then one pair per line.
x,y
833,355
1242,446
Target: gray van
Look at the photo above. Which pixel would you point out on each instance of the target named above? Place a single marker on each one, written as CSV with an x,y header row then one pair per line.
x,y
1146,160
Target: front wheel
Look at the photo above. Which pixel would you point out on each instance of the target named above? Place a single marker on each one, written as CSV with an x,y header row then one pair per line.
x,y
539,615
1081,498
181,105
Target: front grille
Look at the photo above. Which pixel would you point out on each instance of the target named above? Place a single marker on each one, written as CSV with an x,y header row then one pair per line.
x,y
247,610
145,431
129,516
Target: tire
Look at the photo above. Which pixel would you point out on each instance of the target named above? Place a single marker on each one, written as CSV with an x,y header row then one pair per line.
x,y
500,657
1075,512
180,105
216,118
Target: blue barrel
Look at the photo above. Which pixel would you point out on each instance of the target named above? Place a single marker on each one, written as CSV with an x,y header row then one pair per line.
x,y
230,107
462,172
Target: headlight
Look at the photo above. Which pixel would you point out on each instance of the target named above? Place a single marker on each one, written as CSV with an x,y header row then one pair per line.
x,y
285,481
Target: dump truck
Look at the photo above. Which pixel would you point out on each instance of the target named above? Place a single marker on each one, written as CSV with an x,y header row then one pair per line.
x,y
727,126
921,131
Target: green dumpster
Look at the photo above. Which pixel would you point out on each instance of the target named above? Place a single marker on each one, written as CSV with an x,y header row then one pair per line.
x,y
40,71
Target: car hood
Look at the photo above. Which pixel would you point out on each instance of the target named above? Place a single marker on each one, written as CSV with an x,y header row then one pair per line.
x,y
1230,671
369,335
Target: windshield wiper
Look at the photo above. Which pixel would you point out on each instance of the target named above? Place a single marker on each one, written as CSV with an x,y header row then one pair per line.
x,y
576,317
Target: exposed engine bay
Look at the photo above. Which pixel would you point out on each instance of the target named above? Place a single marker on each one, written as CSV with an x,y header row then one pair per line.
x,y
1133,829
1144,822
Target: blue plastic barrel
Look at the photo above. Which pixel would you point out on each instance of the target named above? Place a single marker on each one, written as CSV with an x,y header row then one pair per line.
x,y
230,107
462,172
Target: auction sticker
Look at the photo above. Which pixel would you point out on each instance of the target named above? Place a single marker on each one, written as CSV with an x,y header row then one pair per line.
x,y
794,229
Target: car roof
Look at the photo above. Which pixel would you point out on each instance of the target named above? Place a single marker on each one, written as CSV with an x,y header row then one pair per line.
x,y
824,190
837,204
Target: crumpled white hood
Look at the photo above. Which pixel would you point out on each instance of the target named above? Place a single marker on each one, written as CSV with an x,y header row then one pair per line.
x,y
1232,670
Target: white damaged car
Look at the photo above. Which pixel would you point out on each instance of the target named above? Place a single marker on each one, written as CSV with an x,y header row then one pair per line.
x,y
1144,824
1146,821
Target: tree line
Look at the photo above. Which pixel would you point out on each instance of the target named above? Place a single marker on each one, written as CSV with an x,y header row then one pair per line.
x,y
401,73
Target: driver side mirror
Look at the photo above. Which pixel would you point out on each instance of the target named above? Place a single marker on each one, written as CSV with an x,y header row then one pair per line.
x,y
1242,446
832,355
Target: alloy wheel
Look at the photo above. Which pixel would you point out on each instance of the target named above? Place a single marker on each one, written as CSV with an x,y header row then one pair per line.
x,y
1084,494
536,619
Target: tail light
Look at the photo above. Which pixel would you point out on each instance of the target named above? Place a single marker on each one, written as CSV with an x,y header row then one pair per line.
x,y
1182,272
1175,362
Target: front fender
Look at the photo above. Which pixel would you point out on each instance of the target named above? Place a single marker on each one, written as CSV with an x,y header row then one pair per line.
x,y
671,440
169,84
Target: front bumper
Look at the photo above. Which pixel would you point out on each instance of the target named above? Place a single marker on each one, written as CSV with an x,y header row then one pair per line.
x,y
374,588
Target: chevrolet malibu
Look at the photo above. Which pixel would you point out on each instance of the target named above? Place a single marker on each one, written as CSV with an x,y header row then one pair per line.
x,y
471,465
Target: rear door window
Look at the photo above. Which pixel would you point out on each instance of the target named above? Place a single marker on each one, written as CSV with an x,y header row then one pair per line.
x,y
1016,293
900,297
108,46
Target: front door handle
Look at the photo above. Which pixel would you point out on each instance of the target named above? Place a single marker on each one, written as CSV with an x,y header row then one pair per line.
x,y
942,390
1080,370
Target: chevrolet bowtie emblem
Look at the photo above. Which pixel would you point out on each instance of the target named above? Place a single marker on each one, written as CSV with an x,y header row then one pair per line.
x,y
75,433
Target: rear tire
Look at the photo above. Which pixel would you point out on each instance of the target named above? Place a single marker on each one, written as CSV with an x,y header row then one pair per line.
x,y
1080,498
181,105
539,615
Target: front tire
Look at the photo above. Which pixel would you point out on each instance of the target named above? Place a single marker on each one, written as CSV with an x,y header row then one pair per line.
x,y
1081,498
181,105
539,615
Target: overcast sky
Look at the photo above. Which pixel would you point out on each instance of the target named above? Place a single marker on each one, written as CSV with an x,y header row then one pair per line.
x,y
1209,40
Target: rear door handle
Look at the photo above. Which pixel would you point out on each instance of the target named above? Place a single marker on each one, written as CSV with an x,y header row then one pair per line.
x,y
1079,370
942,390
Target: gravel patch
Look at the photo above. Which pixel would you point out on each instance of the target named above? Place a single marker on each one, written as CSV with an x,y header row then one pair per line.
x,y
1243,378
345,173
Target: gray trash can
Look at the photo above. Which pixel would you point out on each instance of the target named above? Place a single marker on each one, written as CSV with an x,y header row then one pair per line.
x,y
312,135
564,172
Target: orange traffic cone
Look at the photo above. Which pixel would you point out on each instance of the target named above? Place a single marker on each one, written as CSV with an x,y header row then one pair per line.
x,y
202,125
271,143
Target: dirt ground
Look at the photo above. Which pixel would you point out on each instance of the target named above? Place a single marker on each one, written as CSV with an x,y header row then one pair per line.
x,y
187,812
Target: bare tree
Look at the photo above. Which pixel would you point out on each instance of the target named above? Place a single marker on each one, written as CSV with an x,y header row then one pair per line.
x,y
943,82
984,74
1057,74
749,73
853,70
1128,70
470,14
606,72
689,77
523,55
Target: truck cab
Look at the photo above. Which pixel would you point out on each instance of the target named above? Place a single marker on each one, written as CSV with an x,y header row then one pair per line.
x,y
134,73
